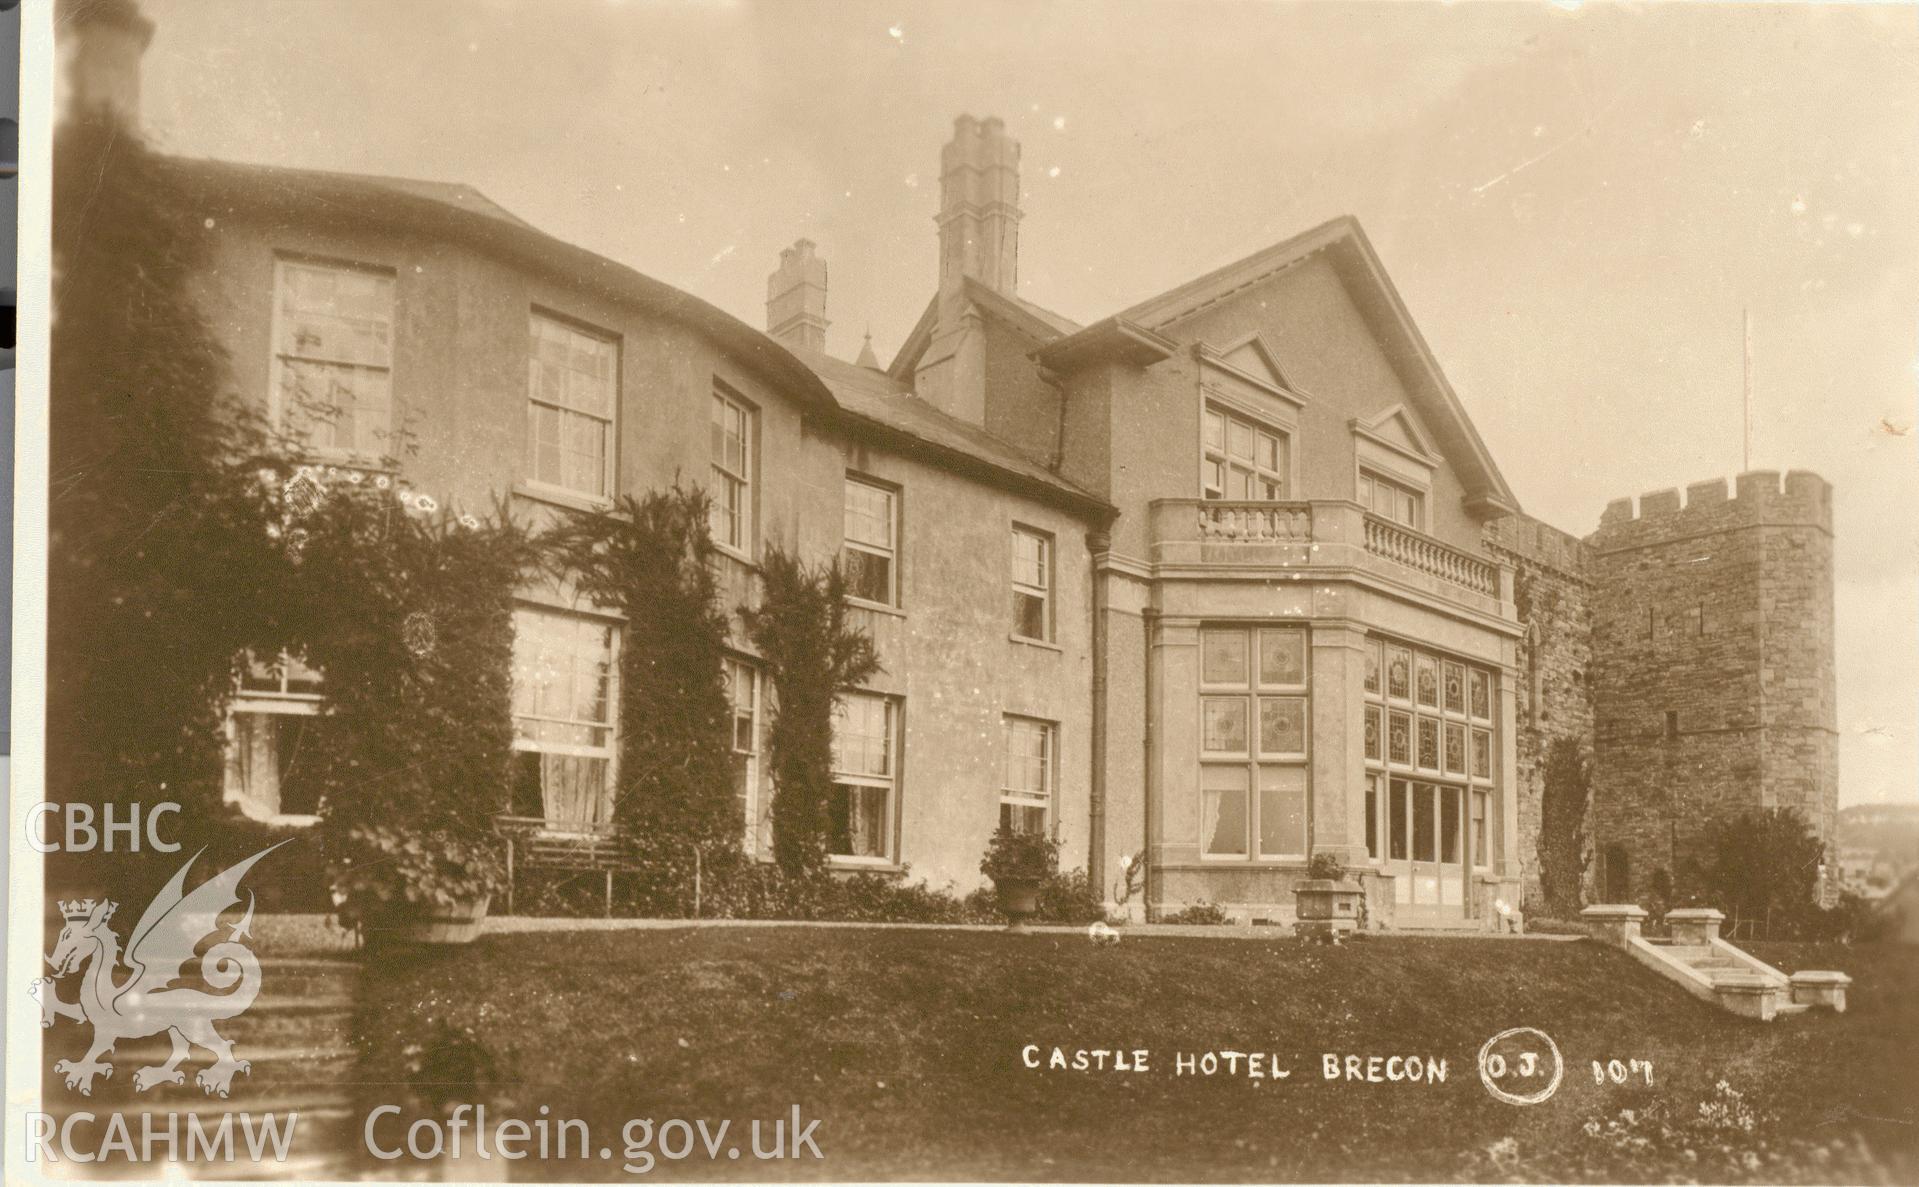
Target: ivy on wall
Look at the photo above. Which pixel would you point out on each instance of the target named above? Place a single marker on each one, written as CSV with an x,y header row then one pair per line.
x,y
812,651
653,559
159,567
1564,804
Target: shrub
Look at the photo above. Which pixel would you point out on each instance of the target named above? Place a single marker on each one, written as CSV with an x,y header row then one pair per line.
x,y
1763,865
653,559
1324,866
387,874
157,557
1563,806
1011,854
812,651
1200,913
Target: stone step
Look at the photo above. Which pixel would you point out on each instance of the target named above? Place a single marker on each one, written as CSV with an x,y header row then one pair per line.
x,y
1787,1008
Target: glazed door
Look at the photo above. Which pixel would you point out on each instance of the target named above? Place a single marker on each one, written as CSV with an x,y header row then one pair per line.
x,y
1425,835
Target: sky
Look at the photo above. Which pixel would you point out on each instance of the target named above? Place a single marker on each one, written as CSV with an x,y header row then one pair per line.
x,y
1578,203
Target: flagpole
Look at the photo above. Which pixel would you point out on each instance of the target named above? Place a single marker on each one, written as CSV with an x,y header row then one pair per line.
x,y
1747,378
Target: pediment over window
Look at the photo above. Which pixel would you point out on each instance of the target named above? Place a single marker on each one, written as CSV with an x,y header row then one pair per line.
x,y
1247,371
1395,429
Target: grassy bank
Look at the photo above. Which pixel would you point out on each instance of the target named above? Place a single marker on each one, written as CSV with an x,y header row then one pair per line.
x,y
908,1046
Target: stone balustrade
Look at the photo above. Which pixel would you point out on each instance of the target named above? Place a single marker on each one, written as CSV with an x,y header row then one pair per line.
x,y
1418,551
1285,523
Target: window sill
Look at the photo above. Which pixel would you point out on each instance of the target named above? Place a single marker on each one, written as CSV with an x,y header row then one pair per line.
x,y
558,497
864,865
732,553
1042,644
876,607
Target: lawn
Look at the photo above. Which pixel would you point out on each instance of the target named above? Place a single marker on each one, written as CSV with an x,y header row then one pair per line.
x,y
908,1047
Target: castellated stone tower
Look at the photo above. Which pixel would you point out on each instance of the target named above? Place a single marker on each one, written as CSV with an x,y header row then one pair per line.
x,y
1712,670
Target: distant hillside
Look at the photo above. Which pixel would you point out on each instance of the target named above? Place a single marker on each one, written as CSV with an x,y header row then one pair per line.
x,y
1890,830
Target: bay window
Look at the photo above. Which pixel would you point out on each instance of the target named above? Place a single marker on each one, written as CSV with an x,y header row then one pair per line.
x,y
1254,714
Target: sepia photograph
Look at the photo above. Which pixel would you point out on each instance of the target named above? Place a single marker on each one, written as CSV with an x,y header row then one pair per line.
x,y
1303,591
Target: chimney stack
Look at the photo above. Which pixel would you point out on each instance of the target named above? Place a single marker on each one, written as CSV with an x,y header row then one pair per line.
x,y
796,298
979,205
103,42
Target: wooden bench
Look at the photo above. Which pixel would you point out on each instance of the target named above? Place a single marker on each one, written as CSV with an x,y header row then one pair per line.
x,y
565,846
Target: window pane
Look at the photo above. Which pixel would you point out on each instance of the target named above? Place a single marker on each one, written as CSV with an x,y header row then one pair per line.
x,y
1399,663
1029,615
1399,742
1282,657
1455,688
1372,817
1424,832
869,576
1282,810
1215,430
1029,559
1269,453
1482,695
1427,674
1372,666
1022,818
1215,479
1449,824
1455,749
1428,744
1223,810
1223,657
862,736
1239,439
1282,725
1479,828
1223,725
869,515
856,821
1396,822
1372,732
1482,754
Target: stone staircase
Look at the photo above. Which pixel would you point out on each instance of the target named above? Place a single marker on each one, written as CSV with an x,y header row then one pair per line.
x,y
297,1037
1709,968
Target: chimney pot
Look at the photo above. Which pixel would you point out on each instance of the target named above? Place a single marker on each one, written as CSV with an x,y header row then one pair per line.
x,y
796,298
979,205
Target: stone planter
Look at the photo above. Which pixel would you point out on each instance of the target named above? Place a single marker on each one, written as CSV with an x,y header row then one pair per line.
x,y
458,924
1018,900
1324,908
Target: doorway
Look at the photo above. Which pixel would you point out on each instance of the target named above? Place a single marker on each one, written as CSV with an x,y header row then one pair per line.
x,y
1426,851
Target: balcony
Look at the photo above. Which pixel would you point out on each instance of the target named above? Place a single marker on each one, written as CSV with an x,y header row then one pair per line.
x,y
1205,535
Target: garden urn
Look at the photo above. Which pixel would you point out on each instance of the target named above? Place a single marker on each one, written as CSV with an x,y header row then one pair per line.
x,y
1018,900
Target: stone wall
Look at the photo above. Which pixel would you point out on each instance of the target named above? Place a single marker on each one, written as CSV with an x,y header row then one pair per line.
x,y
1551,588
1712,673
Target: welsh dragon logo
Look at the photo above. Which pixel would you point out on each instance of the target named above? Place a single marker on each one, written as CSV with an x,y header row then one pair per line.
x,y
146,1002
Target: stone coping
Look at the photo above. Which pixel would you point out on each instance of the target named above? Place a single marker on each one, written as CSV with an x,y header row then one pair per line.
x,y
1820,977
1702,914
1613,912
1743,983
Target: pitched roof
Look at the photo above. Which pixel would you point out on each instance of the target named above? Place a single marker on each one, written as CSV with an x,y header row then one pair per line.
x,y
875,402
454,211
1037,324
1372,292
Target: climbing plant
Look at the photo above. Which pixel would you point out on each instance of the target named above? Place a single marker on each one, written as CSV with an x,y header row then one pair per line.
x,y
406,610
653,559
158,558
1564,803
812,651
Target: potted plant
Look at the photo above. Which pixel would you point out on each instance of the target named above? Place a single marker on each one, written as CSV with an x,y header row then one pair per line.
x,y
1327,904
414,885
1019,863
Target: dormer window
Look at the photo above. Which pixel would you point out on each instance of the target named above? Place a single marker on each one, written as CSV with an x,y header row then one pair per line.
x,y
1245,460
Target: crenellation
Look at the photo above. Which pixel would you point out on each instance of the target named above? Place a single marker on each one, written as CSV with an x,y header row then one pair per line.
x,y
1700,494
1659,502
